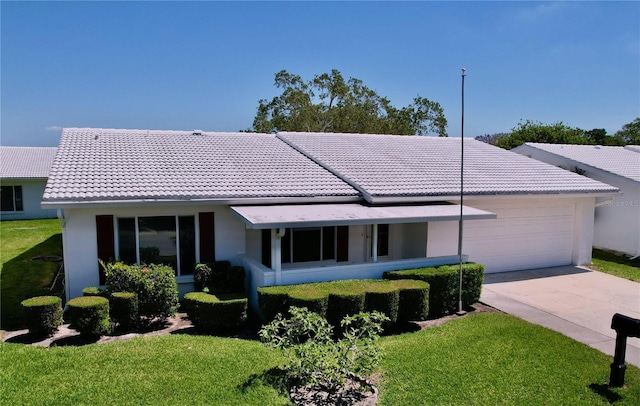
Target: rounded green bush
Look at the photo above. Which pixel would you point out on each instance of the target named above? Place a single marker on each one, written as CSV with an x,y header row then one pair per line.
x,y
90,315
317,302
123,309
383,297
344,304
212,313
272,300
43,315
413,304
92,291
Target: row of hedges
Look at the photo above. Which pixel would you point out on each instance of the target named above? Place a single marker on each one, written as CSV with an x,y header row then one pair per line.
x,y
210,313
400,300
445,285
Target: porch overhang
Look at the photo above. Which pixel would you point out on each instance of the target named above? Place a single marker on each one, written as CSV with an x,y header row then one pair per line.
x,y
321,215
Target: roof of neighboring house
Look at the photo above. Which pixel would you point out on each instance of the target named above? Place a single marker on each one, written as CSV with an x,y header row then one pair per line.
x,y
26,162
107,165
621,161
387,166
112,165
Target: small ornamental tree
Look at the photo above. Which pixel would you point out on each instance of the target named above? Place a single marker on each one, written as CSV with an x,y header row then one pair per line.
x,y
315,359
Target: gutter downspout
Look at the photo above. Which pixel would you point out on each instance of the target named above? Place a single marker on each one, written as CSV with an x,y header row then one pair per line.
x,y
63,223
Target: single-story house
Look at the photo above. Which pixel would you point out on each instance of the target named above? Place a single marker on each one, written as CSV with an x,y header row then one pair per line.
x,y
301,207
23,176
617,222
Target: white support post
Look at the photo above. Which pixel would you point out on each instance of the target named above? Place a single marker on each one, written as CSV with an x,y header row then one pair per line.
x,y
374,244
276,257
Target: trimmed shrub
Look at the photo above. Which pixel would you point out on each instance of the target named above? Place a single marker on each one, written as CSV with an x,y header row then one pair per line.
x,y
444,284
472,278
272,300
92,291
90,315
219,277
212,313
43,315
443,287
383,298
317,303
344,304
155,286
413,300
123,309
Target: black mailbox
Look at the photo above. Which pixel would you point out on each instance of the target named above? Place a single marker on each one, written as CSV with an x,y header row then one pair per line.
x,y
624,326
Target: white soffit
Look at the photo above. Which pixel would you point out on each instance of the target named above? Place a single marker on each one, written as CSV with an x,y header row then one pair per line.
x,y
316,215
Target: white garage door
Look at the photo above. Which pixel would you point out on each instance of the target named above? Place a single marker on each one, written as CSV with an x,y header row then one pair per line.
x,y
535,235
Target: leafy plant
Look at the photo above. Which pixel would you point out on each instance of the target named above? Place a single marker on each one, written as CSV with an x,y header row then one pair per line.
x,y
315,359
43,314
155,286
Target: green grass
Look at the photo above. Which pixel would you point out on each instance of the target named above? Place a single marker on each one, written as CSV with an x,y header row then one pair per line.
x,y
491,359
482,359
20,277
616,265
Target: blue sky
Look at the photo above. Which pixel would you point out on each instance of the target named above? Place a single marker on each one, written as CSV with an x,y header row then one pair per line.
x,y
205,65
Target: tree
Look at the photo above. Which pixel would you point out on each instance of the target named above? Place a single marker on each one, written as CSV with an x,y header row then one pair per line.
x,y
630,133
557,133
491,138
328,103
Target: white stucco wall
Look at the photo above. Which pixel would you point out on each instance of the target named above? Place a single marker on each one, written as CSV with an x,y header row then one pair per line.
x,y
32,191
81,249
617,225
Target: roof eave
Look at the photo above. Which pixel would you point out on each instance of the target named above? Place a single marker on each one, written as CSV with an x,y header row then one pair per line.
x,y
58,204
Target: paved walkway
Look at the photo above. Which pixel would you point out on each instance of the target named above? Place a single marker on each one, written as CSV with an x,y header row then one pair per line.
x,y
574,301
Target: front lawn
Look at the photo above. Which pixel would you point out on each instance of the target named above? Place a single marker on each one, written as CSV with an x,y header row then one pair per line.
x,y
20,276
481,359
616,265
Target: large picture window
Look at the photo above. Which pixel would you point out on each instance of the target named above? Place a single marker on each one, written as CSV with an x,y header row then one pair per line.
x,y
11,198
309,244
168,240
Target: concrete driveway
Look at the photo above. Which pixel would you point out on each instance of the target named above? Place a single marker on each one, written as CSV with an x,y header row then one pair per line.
x,y
574,301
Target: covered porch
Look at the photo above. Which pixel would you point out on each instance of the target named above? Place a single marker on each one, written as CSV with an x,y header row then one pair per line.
x,y
323,242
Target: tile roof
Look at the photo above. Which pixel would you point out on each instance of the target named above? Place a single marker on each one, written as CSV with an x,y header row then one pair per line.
x,y
621,161
26,162
96,165
634,148
384,166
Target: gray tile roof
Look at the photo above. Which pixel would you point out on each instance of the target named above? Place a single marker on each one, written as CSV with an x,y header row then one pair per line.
x,y
621,161
384,166
96,165
26,162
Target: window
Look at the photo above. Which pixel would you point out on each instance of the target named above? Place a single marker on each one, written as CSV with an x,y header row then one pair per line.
x,y
383,240
11,197
168,240
309,244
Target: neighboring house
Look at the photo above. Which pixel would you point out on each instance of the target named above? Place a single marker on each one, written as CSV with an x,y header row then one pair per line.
x,y
617,222
300,207
23,175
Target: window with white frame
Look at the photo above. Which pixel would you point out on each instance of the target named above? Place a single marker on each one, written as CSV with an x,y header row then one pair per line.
x,y
11,198
168,240
309,244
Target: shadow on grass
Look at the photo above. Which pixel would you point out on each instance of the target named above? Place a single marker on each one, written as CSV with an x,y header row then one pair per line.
x,y
616,258
26,338
23,278
605,392
275,377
